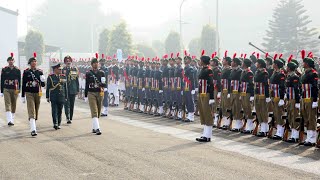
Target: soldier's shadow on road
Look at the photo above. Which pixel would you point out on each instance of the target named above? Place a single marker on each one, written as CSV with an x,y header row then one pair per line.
x,y
180,147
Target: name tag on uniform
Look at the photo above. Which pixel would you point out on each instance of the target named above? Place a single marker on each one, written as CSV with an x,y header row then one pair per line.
x,y
74,73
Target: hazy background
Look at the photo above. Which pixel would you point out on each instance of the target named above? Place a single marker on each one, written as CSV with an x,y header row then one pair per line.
x,y
241,21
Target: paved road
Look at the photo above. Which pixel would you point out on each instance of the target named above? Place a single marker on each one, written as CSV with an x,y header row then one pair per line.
x,y
135,146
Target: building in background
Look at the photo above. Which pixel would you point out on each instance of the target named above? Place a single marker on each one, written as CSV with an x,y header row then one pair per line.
x,y
8,35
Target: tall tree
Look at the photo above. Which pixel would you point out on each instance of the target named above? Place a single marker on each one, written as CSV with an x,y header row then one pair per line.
x,y
208,38
145,50
103,40
172,43
34,43
73,25
289,31
194,46
120,38
158,46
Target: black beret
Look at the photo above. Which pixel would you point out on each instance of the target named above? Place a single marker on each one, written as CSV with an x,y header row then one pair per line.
x,y
228,59
237,61
32,59
205,59
262,63
279,63
94,60
309,61
10,58
269,60
247,62
292,66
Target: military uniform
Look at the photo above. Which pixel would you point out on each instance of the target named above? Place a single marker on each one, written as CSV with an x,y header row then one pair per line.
x,y
126,74
217,93
166,90
171,97
234,90
134,92
147,88
225,101
72,89
114,83
141,87
158,91
56,93
105,103
189,91
178,82
10,88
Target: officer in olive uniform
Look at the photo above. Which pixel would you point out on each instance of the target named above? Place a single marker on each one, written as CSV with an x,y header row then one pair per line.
x,y
105,103
72,84
10,88
206,98
56,94
94,92
32,82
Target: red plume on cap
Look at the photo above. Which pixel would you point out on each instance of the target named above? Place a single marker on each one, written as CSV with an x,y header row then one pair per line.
x,y
267,54
102,56
234,55
11,54
185,53
171,55
258,55
275,57
241,55
225,53
136,57
290,58
303,54
165,56
202,53
34,54
253,53
97,55
280,56
142,59
310,55
178,54
212,56
114,56
245,55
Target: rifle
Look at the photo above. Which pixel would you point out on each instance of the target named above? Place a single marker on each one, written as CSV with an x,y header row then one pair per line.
x,y
286,127
259,49
255,131
220,118
230,117
301,129
271,126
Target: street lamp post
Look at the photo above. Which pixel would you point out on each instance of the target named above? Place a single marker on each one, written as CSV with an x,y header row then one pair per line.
x,y
181,41
217,31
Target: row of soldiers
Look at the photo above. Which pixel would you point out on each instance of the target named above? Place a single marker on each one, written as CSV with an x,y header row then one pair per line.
x,y
250,95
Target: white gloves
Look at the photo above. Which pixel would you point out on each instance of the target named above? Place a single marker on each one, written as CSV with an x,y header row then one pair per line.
x,y
268,100
228,96
1,94
160,91
314,105
23,100
297,106
181,92
85,99
103,80
251,98
118,83
219,95
193,92
197,89
143,89
281,103
42,78
105,89
211,101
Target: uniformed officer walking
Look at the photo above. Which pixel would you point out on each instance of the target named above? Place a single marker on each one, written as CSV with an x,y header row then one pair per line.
x,y
10,88
56,94
105,103
72,85
94,92
32,82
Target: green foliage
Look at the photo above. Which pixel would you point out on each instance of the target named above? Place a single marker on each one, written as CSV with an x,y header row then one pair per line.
x,y
145,51
194,46
120,38
172,43
208,39
103,41
34,43
289,31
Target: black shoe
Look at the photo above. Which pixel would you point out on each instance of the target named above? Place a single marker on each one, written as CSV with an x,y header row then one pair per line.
x,y
157,114
126,108
69,122
224,127
262,134
10,124
178,119
276,137
93,131
309,144
59,127
214,126
203,139
187,121
235,130
98,132
104,115
34,133
292,140
246,132
55,127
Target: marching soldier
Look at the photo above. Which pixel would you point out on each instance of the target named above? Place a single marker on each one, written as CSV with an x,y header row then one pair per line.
x,y
134,92
178,88
217,88
293,97
261,98
152,86
234,89
114,81
189,88
158,90
141,86
196,70
72,85
32,82
105,102
206,98
247,94
309,81
10,88
147,86
165,81
171,98
126,74
277,86
56,94
225,83
94,92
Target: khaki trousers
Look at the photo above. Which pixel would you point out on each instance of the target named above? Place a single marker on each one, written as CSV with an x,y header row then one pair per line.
x,y
216,102
10,100
95,103
277,111
204,110
246,106
225,103
261,108
236,106
292,114
309,115
33,104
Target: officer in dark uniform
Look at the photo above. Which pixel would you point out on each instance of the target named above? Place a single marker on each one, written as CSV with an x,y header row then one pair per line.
x,y
217,88
178,81
72,84
105,103
56,94
165,80
206,98
94,92
158,89
32,82
114,82
126,74
194,65
188,88
152,87
10,88
147,86
134,92
141,86
171,96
